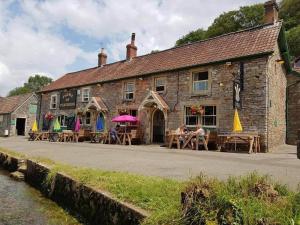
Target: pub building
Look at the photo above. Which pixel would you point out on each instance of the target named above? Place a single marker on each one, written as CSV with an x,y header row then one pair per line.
x,y
201,82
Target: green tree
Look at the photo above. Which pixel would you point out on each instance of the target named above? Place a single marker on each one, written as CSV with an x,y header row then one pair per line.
x,y
34,83
193,36
290,13
293,39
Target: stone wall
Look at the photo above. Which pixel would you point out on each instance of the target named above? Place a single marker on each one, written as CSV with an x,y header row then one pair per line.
x,y
8,162
5,124
276,101
293,108
94,206
178,95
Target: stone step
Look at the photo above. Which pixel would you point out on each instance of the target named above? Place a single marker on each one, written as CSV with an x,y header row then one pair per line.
x,y
22,169
17,176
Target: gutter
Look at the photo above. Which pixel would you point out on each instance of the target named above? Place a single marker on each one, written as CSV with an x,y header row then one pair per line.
x,y
165,71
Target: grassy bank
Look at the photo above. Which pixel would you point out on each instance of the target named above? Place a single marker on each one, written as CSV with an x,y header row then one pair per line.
x,y
162,197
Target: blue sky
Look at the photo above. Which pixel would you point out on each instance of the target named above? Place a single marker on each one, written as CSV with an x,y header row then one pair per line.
x,y
59,36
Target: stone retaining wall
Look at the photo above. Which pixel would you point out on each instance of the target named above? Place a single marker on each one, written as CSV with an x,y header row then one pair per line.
x,y
8,162
93,205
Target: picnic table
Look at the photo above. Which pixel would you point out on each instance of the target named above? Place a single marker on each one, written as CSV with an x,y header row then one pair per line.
x,y
42,136
97,137
252,139
125,137
55,136
32,136
188,139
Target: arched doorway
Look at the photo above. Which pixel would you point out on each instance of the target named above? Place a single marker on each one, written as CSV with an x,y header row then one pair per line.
x,y
158,127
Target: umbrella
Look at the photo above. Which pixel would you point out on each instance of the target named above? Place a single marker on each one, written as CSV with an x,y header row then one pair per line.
x,y
236,122
100,124
56,125
34,127
77,125
125,118
237,126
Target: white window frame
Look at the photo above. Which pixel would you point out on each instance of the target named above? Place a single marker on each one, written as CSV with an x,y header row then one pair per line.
x,y
207,82
85,98
126,92
51,101
201,118
62,120
86,117
164,85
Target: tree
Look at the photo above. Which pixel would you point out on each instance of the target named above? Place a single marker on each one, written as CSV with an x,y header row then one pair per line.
x,y
290,13
193,36
293,39
34,83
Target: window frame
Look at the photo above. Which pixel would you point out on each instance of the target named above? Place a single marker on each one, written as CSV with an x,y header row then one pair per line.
x,y
90,119
125,91
201,92
201,118
83,94
164,85
51,101
59,117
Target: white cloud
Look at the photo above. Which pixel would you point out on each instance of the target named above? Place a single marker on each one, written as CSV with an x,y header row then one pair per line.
x,y
30,41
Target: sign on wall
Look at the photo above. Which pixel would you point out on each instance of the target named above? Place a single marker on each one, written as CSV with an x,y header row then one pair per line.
x,y
68,99
237,103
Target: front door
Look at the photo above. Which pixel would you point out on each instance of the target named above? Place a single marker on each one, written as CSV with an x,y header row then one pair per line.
x,y
20,126
158,126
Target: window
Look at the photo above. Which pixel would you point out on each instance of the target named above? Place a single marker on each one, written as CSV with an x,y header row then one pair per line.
x,y
85,95
1,120
160,85
208,119
129,91
53,102
62,119
88,118
200,82
133,112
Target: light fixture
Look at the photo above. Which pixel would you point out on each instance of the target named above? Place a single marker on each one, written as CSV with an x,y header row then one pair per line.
x,y
228,64
221,84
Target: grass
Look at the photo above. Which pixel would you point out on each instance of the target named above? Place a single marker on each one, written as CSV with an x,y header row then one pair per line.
x,y
12,153
161,197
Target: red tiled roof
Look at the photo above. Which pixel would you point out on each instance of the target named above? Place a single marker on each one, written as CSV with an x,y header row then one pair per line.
x,y
10,104
258,40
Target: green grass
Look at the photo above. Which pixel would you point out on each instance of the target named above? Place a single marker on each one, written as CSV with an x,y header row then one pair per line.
x,y
161,197
12,153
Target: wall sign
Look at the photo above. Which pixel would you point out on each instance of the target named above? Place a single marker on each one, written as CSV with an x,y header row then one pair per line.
x,y
237,103
68,99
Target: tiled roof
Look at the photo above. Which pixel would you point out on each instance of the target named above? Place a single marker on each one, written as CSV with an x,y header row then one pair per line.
x,y
258,40
10,104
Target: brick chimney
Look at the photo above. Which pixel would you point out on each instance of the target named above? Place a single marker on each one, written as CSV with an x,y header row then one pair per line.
x,y
271,12
131,48
102,57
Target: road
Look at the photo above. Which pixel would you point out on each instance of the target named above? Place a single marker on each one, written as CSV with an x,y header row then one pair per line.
x,y
153,160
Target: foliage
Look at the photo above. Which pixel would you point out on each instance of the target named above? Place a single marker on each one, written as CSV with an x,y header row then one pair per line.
x,y
193,36
290,13
34,83
293,39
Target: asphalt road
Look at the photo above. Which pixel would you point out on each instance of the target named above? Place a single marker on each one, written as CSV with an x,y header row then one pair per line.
x,y
153,160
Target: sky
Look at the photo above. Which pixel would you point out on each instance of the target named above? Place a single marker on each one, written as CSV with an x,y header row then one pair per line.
x,y
53,37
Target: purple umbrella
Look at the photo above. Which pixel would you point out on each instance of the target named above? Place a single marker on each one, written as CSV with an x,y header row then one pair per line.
x,y
124,118
77,125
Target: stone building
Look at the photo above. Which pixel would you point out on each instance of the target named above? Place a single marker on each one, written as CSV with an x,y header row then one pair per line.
x,y
168,88
17,114
293,103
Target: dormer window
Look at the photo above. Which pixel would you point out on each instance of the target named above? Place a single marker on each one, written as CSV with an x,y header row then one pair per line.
x,y
85,94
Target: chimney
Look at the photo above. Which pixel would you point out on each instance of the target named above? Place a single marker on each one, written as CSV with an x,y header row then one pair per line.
x,y
131,48
102,57
271,12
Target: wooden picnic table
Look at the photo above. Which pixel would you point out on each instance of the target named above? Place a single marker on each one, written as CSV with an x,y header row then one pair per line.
x,y
125,137
67,136
252,139
32,136
192,137
42,136
118,140
97,137
55,136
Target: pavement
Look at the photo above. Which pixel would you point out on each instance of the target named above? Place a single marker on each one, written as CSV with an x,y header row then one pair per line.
x,y
153,160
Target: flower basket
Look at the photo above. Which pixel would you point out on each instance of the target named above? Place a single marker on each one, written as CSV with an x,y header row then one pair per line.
x,y
197,110
49,116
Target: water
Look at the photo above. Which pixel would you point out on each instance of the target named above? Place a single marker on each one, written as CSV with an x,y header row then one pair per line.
x,y
22,205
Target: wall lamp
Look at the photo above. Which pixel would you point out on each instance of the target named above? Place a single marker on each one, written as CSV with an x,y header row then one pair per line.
x,y
280,61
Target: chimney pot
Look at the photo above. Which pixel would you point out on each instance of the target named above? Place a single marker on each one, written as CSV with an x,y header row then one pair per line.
x,y
131,48
271,12
102,57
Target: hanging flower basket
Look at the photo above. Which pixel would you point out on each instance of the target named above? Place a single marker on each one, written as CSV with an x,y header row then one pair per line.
x,y
197,110
49,116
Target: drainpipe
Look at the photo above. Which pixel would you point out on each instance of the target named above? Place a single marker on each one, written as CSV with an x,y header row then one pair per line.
x,y
177,92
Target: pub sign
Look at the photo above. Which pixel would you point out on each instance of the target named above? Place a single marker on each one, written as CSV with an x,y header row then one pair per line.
x,y
68,99
237,103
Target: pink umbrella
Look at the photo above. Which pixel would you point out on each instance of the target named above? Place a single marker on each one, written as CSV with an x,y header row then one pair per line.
x,y
124,118
77,125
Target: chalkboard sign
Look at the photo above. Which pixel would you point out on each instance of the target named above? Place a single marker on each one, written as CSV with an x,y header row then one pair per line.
x,y
237,103
68,99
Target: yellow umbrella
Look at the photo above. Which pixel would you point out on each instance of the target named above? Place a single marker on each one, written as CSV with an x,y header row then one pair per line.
x,y
34,127
236,122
